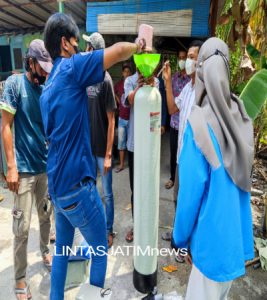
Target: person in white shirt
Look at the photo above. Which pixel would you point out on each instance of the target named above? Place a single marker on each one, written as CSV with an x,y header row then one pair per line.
x,y
182,103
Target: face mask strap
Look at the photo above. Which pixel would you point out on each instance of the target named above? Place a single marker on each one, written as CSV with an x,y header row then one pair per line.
x,y
218,52
226,62
76,48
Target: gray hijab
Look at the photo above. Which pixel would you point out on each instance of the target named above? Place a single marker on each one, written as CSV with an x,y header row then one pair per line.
x,y
224,113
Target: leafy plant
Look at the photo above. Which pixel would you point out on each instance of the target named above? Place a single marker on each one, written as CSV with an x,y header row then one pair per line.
x,y
235,70
258,59
254,94
243,26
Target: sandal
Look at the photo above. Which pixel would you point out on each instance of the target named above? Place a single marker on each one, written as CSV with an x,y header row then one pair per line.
x,y
169,184
129,237
23,293
119,169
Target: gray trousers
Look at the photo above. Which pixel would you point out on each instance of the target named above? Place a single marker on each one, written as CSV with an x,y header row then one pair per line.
x,y
32,188
202,288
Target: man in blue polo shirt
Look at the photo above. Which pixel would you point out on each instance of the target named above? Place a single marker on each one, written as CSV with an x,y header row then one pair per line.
x,y
71,166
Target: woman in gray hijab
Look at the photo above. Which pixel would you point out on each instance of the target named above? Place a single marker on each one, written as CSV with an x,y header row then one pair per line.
x,y
213,217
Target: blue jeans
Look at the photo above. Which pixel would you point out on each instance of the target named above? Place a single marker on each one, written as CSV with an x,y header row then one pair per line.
x,y
122,134
88,215
107,192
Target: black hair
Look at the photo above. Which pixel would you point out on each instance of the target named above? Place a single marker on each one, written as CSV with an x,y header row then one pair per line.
x,y
196,43
27,62
57,26
126,67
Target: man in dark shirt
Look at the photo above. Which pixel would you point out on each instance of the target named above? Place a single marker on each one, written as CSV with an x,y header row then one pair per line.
x,y
124,113
102,106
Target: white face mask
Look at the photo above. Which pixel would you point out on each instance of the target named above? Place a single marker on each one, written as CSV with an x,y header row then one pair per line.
x,y
181,64
190,66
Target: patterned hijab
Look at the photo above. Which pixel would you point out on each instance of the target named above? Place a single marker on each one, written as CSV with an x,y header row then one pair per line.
x,y
224,113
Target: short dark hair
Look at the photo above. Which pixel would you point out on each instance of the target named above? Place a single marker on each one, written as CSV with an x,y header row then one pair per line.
x,y
125,66
196,43
57,26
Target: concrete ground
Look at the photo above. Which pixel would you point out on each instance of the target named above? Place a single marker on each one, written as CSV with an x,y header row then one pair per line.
x,y
253,286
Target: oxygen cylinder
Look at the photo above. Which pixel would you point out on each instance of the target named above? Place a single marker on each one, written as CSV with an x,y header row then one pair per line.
x,y
147,136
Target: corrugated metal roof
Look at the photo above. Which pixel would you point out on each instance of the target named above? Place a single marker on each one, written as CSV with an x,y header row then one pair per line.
x,y
25,16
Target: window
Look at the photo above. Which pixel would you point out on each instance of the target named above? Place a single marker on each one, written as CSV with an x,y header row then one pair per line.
x,y
18,58
5,59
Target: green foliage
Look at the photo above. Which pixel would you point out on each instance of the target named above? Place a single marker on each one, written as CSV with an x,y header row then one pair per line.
x,y
173,62
253,52
254,94
260,129
264,61
228,4
239,87
257,58
252,5
235,70
223,31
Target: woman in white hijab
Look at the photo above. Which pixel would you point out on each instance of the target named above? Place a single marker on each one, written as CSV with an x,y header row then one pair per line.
x,y
213,217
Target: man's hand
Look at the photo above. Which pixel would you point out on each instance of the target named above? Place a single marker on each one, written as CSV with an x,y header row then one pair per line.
x,y
12,179
141,45
107,164
140,83
148,81
167,73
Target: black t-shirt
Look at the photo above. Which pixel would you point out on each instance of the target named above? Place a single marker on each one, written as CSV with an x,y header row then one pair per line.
x,y
101,100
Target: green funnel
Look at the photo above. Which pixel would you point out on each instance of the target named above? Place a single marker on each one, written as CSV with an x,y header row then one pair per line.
x,y
146,63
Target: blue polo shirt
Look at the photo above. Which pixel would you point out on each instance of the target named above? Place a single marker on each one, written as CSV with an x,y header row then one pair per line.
x,y
65,116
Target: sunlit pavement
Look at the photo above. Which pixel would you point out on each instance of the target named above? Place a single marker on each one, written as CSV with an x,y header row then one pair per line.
x,y
119,274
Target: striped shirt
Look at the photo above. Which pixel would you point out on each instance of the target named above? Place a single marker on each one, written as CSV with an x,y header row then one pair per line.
x,y
179,81
184,102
